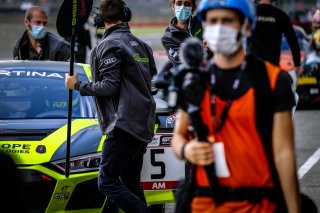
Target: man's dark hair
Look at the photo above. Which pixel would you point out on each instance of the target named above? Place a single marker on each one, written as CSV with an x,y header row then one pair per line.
x,y
194,3
112,11
30,11
171,2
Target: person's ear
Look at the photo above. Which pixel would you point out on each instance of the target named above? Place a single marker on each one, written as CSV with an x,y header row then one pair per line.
x,y
173,7
27,24
194,7
246,28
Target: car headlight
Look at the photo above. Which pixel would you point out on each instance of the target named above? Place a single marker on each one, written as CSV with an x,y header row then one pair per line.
x,y
82,163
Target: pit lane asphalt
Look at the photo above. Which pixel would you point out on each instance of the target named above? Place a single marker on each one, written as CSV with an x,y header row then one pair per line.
x,y
307,142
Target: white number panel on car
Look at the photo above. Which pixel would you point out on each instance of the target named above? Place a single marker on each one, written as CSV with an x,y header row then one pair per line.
x,y
161,169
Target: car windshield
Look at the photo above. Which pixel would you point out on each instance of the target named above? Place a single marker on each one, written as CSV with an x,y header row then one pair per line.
x,y
39,94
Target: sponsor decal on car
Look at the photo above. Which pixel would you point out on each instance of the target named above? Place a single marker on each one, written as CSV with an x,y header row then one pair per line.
x,y
22,73
171,120
165,140
164,185
41,149
15,148
155,141
62,195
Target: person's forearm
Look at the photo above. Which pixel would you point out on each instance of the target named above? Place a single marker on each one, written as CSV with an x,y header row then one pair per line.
x,y
295,48
285,159
178,142
285,164
180,130
98,89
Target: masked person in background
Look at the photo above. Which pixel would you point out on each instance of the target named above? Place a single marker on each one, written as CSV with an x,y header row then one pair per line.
x,y
182,26
252,145
271,24
37,43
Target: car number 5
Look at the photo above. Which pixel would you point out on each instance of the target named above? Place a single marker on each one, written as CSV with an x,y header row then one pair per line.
x,y
155,163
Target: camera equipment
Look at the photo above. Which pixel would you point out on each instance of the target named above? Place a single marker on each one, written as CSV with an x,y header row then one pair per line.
x,y
185,84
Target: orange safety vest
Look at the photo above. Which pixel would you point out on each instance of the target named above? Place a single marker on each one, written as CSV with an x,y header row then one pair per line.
x,y
245,154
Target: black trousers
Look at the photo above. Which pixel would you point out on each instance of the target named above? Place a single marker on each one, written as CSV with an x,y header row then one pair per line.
x,y
120,171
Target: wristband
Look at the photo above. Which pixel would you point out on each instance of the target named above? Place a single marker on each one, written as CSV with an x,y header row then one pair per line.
x,y
182,151
77,85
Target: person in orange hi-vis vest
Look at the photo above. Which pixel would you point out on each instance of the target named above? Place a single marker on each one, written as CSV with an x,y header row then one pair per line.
x,y
252,146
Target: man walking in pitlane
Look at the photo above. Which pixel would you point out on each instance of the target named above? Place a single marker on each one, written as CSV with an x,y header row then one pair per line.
x,y
271,24
122,67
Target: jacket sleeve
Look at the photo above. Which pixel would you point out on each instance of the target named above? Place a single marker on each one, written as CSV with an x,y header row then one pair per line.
x,y
62,52
107,64
291,37
16,51
152,64
172,49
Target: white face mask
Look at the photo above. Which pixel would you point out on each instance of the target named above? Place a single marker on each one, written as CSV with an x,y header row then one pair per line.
x,y
222,39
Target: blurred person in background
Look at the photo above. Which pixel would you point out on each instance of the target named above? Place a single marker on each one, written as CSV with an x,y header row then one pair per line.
x,y
182,26
37,43
265,41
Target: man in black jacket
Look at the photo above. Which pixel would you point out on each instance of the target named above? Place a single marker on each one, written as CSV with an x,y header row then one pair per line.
x,y
182,26
37,43
122,67
271,24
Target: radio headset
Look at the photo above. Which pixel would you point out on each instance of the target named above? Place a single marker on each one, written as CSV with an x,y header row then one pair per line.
x,y
99,21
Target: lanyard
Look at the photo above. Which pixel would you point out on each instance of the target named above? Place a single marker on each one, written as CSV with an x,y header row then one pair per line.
x,y
235,87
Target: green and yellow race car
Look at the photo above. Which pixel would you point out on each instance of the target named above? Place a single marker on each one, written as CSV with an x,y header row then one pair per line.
x,y
33,131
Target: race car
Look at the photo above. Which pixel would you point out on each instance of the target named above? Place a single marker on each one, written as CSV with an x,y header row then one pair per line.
x,y
308,85
33,131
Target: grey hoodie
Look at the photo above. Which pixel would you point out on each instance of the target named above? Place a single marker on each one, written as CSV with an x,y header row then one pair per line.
x,y
174,37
